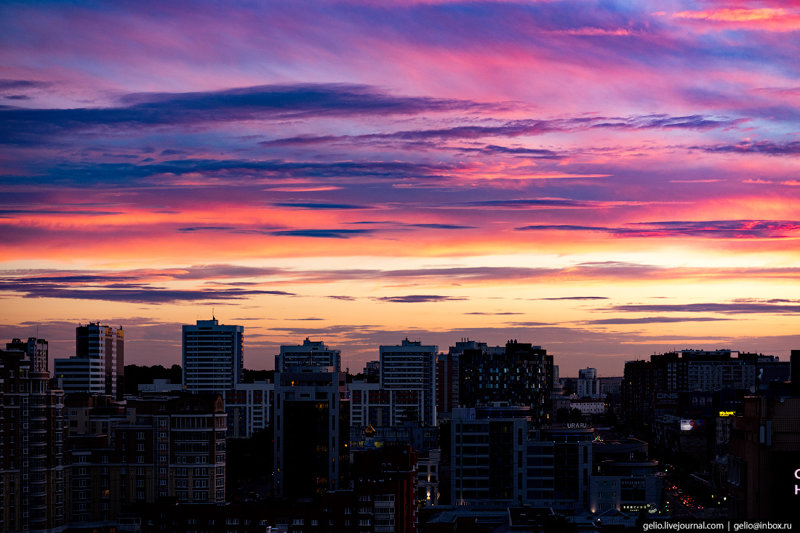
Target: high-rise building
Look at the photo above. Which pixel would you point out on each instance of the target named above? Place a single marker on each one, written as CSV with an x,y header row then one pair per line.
x,y
588,384
33,435
411,367
81,374
311,431
249,408
447,375
652,388
372,370
519,374
623,477
310,353
98,366
133,453
95,341
763,466
494,456
212,356
372,405
36,350
383,494
637,392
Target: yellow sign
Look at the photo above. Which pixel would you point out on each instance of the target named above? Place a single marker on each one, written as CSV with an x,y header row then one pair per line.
x,y
727,413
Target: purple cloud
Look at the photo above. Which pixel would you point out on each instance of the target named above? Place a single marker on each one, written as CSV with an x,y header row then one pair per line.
x,y
418,298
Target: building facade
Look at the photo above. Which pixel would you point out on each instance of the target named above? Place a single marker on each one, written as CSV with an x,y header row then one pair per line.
x,y
496,459
311,432
310,353
33,434
213,356
249,408
764,460
518,374
98,366
411,367
588,384
135,453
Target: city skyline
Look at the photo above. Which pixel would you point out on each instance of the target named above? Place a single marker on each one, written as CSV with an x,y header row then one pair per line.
x,y
605,180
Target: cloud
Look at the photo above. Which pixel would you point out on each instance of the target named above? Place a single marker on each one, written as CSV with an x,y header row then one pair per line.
x,y
132,293
171,176
220,271
22,125
653,320
8,84
758,19
757,147
738,307
690,122
575,298
518,128
206,228
712,229
322,233
144,284
417,298
309,205
82,212
439,226
504,313
557,203
531,153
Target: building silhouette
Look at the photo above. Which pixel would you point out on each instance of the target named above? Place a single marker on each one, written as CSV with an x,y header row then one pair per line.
x,y
33,434
410,369
308,354
213,356
518,374
98,366
311,432
130,453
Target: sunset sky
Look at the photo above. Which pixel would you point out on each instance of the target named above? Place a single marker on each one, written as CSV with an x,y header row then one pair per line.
x,y
605,179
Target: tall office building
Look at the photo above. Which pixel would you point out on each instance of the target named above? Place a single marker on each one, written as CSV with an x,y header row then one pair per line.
x,y
763,462
98,365
32,439
519,374
310,353
447,375
311,431
411,367
212,356
588,384
495,456
95,341
652,388
36,350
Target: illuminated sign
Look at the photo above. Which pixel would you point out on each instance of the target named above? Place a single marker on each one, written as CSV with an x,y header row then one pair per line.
x,y
690,425
727,413
796,486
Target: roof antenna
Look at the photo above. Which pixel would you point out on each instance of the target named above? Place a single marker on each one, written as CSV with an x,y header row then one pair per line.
x,y
212,314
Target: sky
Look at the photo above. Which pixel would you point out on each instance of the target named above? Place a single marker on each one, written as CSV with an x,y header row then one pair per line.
x,y
605,179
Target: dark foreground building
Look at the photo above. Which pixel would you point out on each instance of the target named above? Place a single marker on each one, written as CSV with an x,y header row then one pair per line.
x,y
32,439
